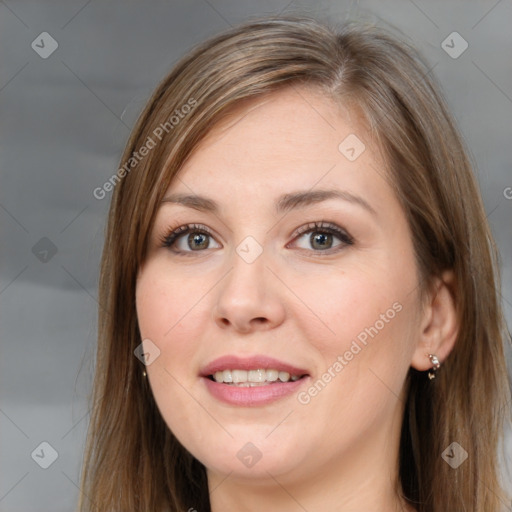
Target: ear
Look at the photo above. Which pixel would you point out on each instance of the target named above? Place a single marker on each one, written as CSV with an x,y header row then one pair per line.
x,y
439,323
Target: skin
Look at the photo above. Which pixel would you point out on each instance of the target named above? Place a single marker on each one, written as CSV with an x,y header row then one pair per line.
x,y
339,451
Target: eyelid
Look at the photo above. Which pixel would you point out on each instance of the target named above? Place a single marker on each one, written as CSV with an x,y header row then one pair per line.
x,y
171,236
333,229
169,239
326,226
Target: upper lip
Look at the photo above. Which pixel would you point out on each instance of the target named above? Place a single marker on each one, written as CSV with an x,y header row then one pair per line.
x,y
232,362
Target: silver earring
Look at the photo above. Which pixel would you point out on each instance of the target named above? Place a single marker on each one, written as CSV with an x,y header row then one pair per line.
x,y
436,364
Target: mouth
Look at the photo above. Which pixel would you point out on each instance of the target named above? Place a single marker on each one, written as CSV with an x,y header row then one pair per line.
x,y
253,381
254,378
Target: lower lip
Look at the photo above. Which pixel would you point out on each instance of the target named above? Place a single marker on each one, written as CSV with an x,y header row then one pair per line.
x,y
252,396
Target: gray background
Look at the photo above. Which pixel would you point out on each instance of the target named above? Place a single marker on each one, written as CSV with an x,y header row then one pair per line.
x,y
64,122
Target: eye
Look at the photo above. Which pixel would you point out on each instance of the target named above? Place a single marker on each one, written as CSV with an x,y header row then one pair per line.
x,y
189,238
321,237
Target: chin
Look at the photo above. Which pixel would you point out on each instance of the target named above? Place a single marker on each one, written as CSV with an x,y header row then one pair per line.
x,y
247,459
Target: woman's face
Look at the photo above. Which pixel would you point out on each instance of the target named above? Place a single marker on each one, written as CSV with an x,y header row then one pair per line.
x,y
298,266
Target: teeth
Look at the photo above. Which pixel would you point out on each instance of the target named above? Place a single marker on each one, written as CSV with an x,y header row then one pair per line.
x,y
256,375
284,376
239,376
272,375
251,378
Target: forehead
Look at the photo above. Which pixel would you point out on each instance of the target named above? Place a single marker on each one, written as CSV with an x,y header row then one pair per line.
x,y
295,138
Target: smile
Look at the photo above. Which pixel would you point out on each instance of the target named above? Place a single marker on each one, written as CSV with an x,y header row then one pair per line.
x,y
252,378
252,381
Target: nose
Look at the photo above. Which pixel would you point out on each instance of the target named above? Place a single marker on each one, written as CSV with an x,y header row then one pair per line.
x,y
249,297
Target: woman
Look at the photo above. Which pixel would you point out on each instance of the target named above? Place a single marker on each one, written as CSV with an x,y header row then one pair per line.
x,y
299,291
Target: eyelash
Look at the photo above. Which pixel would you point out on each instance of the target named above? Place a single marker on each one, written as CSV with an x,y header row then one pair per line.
x,y
171,237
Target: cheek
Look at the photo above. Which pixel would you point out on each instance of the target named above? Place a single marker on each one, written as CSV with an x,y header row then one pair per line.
x,y
166,311
365,344
340,306
174,311
164,303
151,307
364,321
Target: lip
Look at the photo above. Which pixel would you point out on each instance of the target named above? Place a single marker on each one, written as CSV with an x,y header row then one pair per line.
x,y
251,396
231,362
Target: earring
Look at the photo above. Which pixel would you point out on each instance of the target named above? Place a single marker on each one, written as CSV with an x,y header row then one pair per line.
x,y
144,374
436,364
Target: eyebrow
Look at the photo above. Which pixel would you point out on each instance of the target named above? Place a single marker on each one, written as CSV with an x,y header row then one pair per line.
x,y
284,203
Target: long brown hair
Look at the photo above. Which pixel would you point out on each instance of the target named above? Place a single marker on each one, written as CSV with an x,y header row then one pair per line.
x,y
132,460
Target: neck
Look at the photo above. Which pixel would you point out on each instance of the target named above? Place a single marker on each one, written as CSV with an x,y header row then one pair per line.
x,y
230,495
